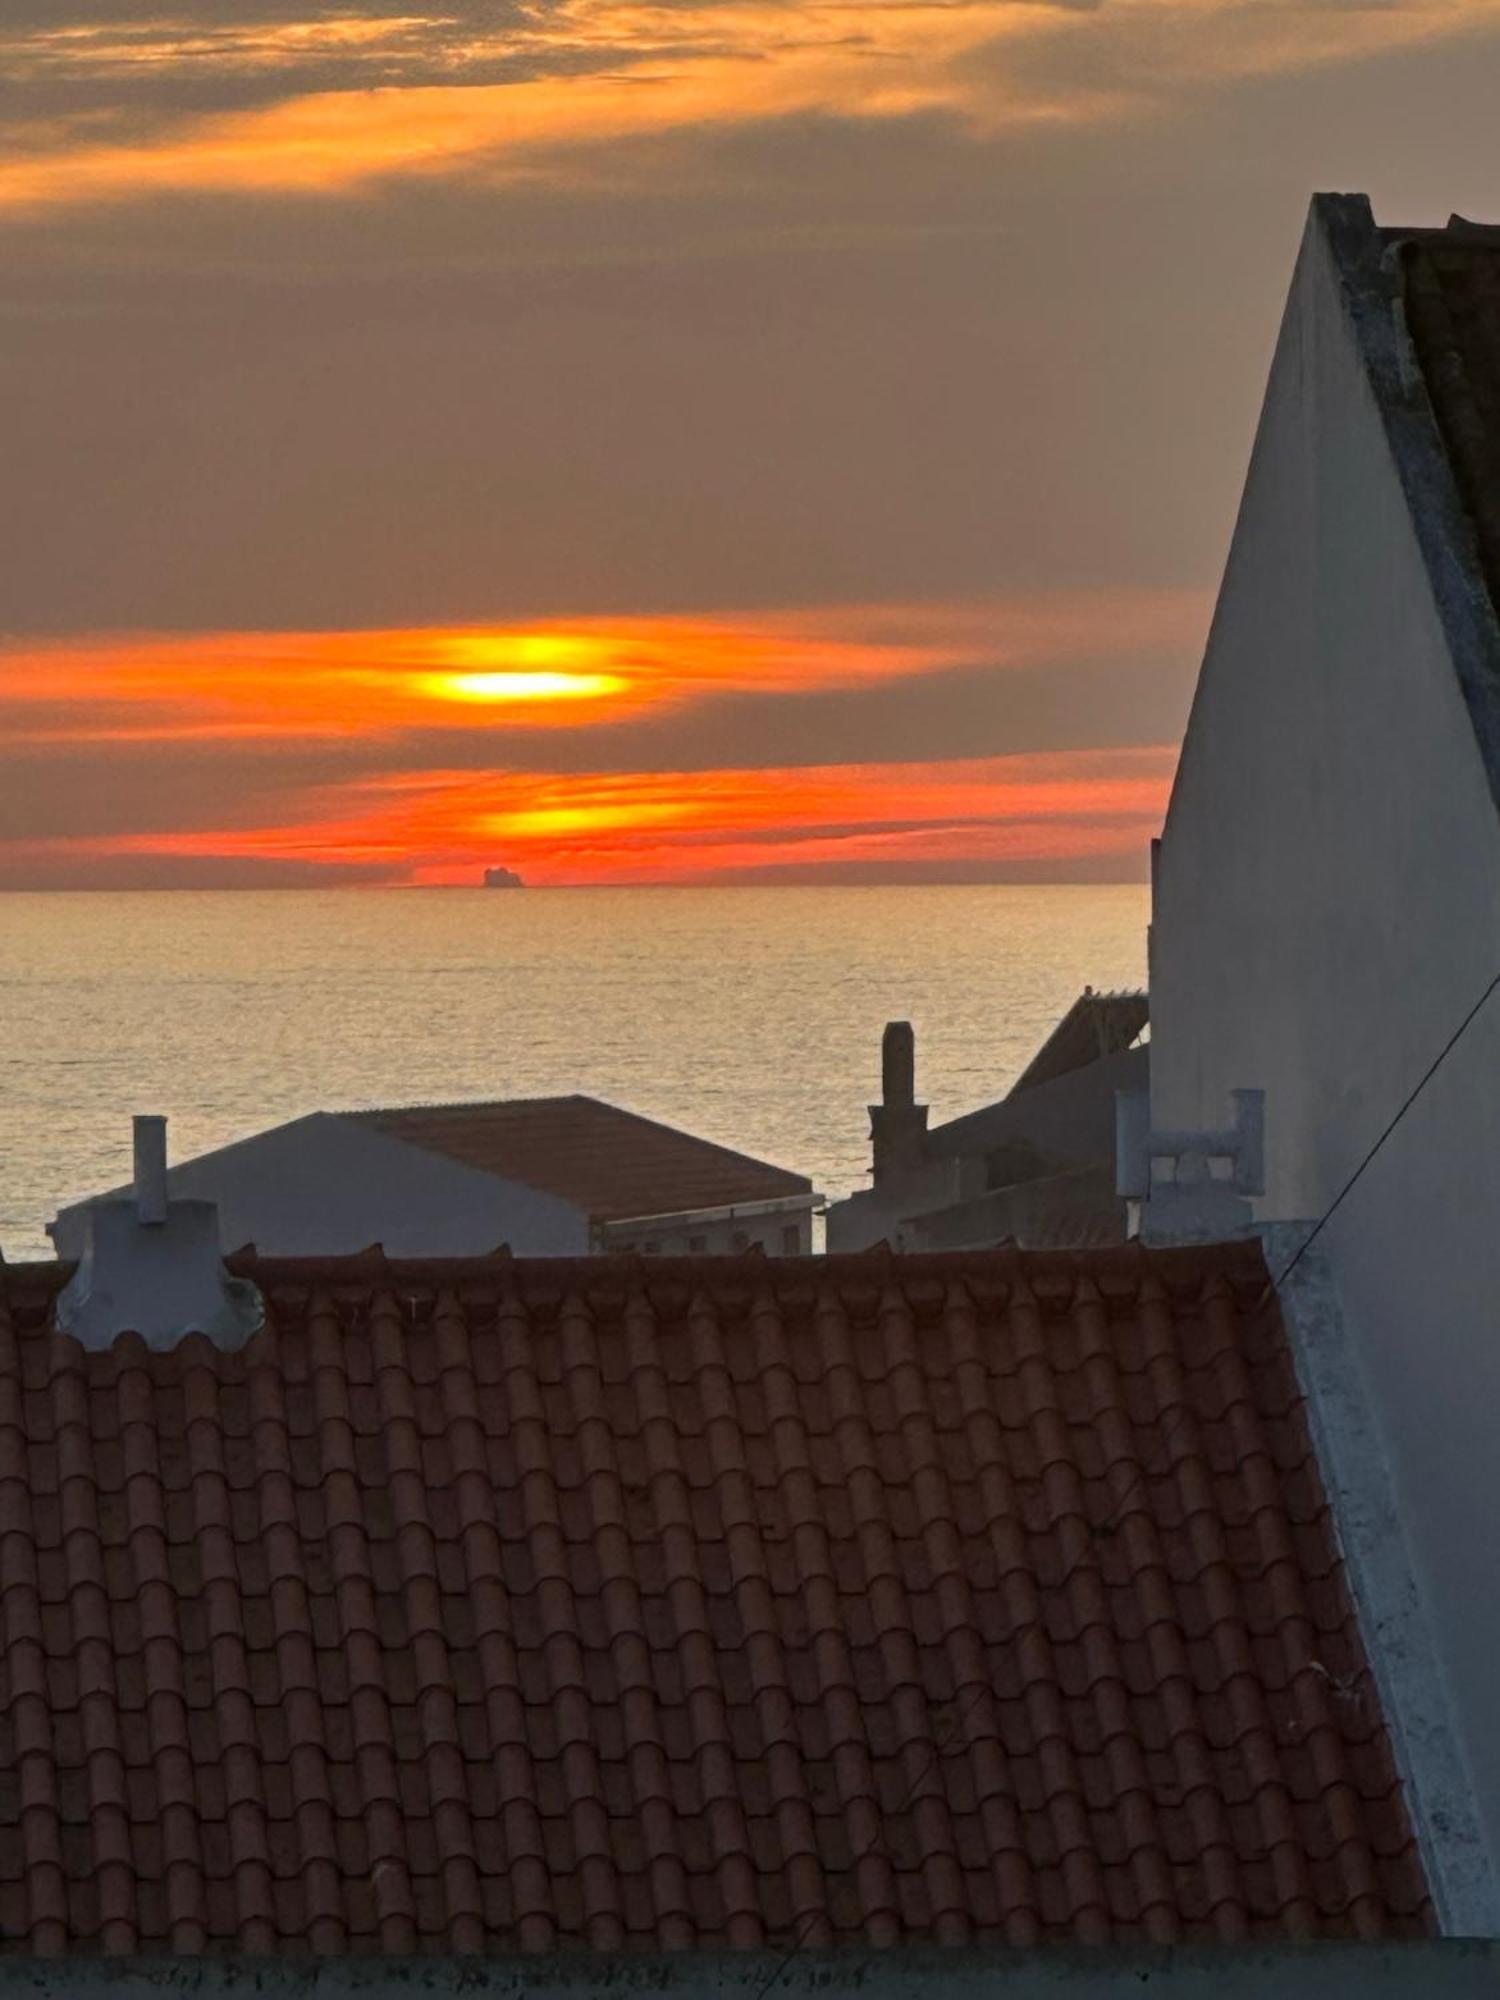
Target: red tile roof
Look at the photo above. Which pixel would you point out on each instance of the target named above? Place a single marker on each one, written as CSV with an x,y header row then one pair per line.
x,y
611,1163
729,1601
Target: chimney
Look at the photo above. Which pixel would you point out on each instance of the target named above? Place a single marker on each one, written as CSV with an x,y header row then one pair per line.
x,y
151,1265
898,1124
898,1067
150,1138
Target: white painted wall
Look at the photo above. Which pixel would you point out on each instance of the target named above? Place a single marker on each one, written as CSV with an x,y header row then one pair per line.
x,y
875,1215
326,1186
1327,909
784,1231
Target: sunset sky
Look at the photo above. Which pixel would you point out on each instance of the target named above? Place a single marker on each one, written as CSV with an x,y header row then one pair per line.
x,y
650,442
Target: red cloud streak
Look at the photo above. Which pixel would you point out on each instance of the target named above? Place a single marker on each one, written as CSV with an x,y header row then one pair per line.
x,y
327,703
675,826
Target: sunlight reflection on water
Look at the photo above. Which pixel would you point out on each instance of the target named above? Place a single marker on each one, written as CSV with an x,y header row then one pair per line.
x,y
751,1016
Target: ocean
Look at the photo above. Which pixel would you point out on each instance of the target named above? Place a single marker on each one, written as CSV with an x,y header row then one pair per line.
x,y
750,1016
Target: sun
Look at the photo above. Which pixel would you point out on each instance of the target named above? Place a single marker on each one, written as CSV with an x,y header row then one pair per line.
x,y
522,666
520,684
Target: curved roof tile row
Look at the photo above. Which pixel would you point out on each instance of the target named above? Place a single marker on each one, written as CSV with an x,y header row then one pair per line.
x,y
715,1602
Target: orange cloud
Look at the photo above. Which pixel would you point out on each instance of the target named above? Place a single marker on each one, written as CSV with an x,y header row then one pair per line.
x,y
332,684
549,674
654,70
373,712
588,72
437,827
116,47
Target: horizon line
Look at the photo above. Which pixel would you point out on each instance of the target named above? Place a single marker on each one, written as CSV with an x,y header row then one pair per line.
x,y
1137,881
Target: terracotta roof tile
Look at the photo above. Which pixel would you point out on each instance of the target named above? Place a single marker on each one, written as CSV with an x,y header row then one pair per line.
x,y
976,1598
611,1162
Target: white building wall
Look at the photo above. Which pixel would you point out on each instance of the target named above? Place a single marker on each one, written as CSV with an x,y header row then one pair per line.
x,y
1327,909
778,1231
326,1186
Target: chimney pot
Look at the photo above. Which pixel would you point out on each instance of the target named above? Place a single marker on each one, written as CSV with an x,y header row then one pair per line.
x,y
150,1136
898,1066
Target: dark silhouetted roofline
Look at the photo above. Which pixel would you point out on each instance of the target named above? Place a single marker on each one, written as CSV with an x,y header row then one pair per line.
x,y
1369,262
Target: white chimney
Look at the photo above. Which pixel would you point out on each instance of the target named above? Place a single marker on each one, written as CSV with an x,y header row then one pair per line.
x,y
151,1265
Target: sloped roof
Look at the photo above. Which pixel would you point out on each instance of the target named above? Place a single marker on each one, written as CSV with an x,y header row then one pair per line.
x,y
1451,280
1097,1024
1075,1209
1421,306
1070,1117
650,1602
611,1163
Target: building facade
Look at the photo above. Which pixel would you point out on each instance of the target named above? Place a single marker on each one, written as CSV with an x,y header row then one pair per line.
x,y
1327,889
1036,1167
547,1177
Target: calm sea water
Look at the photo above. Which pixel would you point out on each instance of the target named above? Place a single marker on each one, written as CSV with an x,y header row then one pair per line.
x,y
752,1016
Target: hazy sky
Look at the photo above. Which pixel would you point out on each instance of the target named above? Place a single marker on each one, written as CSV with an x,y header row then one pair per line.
x,y
641,441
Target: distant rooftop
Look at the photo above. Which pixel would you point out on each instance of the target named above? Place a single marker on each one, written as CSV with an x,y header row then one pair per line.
x,y
1097,1024
1424,308
1452,299
610,1162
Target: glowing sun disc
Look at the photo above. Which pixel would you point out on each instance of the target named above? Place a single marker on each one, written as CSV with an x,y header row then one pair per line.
x,y
522,686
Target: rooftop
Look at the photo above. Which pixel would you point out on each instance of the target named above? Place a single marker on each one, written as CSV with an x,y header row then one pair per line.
x,y
1451,282
1096,1025
1424,308
656,1603
609,1162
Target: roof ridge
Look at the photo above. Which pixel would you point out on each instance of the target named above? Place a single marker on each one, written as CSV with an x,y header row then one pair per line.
x,y
1367,261
876,1261
468,1104
875,1264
